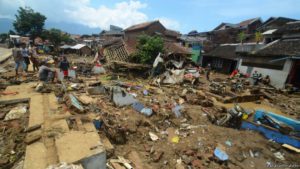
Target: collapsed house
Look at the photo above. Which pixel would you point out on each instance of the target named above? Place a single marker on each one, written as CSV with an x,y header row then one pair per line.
x,y
119,49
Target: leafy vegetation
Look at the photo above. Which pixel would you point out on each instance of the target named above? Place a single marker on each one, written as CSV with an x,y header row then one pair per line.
x,y
56,36
242,37
3,37
29,22
148,48
258,37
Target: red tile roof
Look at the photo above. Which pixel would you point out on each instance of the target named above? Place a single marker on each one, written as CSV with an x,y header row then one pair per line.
x,y
169,32
140,26
172,47
247,22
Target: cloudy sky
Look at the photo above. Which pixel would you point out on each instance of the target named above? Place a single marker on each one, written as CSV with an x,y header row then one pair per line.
x,y
182,15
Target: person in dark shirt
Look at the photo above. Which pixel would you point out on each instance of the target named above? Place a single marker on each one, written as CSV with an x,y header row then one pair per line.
x,y
64,66
255,77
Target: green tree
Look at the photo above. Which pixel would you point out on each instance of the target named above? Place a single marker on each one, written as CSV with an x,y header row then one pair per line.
x,y
3,37
258,37
56,37
147,48
11,32
29,22
242,37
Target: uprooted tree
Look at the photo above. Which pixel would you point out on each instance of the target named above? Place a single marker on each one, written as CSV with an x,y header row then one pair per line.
x,y
147,48
29,22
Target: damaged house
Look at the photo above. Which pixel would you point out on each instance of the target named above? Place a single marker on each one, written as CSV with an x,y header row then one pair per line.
x,y
174,50
195,42
222,59
120,49
279,59
114,32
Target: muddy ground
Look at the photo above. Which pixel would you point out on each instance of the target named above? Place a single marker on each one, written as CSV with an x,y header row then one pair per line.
x,y
187,141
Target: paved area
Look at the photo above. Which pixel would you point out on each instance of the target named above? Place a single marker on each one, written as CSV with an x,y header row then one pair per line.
x,y
51,149
5,54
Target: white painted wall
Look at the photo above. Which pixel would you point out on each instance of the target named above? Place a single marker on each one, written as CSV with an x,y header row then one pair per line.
x,y
278,77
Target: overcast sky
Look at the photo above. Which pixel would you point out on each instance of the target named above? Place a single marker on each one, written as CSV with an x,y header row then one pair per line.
x,y
184,15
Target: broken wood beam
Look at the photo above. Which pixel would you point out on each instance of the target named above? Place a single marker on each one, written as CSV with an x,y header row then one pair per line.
x,y
14,101
32,128
31,138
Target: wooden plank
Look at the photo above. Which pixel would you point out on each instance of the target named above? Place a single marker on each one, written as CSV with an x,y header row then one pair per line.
x,y
14,101
117,166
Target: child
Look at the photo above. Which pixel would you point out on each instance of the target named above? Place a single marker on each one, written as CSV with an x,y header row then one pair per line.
x,y
64,66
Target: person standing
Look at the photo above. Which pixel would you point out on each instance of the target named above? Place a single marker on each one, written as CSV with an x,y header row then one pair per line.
x,y
255,77
208,69
18,58
25,55
33,58
64,66
99,56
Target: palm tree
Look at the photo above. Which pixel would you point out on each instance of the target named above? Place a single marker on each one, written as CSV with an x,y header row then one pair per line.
x,y
258,37
242,37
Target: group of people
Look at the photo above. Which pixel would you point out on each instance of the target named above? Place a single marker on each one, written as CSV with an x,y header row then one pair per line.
x,y
257,77
24,56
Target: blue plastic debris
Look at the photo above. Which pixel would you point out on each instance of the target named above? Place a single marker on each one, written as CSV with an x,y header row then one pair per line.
x,y
76,103
145,92
139,107
176,110
271,133
221,155
147,111
97,124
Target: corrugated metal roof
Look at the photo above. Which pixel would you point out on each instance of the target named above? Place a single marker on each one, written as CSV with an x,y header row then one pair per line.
x,y
65,47
269,32
78,46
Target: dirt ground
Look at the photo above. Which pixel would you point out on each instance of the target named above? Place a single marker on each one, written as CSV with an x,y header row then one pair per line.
x,y
182,142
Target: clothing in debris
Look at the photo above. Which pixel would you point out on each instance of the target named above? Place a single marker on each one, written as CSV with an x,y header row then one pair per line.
x,y
234,73
157,65
157,60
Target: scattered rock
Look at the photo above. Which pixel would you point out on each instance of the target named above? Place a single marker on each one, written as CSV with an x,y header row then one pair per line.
x,y
157,156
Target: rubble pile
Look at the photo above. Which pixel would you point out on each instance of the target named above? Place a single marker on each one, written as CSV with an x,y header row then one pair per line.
x,y
13,122
175,120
